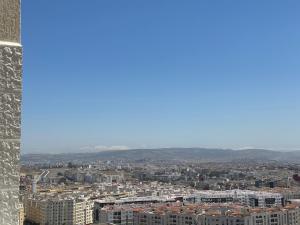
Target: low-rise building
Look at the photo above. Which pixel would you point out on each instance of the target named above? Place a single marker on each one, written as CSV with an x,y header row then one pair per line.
x,y
244,197
199,214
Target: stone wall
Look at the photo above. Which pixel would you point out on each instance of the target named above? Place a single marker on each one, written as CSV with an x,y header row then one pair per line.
x,y
10,110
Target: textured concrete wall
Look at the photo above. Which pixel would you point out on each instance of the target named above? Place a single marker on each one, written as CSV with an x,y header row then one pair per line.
x,y
10,20
10,110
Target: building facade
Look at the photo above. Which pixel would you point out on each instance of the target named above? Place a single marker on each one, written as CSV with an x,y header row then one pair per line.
x,y
21,214
118,216
204,214
59,211
244,197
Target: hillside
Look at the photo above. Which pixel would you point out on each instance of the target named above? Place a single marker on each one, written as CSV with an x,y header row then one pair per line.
x,y
178,154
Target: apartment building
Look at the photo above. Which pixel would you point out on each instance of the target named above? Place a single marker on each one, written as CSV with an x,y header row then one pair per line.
x,y
199,214
259,217
83,212
293,215
148,218
58,210
223,220
244,197
117,215
21,214
94,176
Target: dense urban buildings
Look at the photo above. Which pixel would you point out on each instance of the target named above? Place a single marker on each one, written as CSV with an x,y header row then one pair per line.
x,y
128,192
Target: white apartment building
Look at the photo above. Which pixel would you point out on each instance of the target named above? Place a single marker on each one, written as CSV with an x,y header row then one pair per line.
x,y
273,217
59,211
94,176
263,218
293,216
244,197
223,220
195,214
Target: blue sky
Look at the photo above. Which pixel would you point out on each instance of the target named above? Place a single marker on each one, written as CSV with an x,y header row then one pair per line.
x,y
162,73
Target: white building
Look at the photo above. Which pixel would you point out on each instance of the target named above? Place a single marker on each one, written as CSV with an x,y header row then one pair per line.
x,y
199,214
244,197
59,211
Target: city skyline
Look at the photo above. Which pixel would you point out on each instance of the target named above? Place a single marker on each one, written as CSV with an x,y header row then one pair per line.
x,y
132,74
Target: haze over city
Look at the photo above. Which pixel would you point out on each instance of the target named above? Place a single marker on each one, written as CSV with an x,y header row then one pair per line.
x,y
149,74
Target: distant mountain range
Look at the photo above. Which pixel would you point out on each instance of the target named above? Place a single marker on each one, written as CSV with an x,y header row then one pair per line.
x,y
178,154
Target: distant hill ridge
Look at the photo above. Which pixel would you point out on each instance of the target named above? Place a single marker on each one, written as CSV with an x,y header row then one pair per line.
x,y
178,154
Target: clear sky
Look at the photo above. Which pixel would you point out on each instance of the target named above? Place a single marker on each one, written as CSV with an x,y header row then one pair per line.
x,y
100,74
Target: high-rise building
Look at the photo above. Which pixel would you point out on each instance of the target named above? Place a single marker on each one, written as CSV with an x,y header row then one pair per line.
x,y
10,110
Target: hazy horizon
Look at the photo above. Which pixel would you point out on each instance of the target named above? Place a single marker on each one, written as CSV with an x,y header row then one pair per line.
x,y
110,149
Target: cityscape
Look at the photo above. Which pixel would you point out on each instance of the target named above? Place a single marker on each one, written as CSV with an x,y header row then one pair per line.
x,y
160,112
175,191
